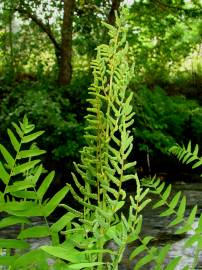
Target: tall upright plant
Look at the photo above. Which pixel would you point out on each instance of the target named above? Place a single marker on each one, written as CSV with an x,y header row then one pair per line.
x,y
104,166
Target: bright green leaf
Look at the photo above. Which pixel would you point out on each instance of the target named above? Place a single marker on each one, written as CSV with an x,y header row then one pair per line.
x,y
55,200
172,264
14,141
25,167
83,265
12,220
30,153
45,184
69,254
145,260
35,259
35,232
32,137
13,243
4,176
62,222
7,156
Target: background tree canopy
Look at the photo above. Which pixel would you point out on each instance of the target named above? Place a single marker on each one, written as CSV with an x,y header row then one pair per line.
x,y
46,48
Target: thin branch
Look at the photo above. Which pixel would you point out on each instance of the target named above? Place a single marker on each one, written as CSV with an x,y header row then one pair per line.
x,y
44,27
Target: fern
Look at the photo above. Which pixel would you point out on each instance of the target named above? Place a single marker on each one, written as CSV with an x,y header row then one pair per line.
x,y
186,155
23,197
175,208
103,168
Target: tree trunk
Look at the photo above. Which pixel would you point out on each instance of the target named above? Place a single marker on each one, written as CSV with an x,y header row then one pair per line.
x,y
114,8
64,56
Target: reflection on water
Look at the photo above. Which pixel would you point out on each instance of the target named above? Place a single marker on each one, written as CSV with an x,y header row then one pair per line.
x,y
152,225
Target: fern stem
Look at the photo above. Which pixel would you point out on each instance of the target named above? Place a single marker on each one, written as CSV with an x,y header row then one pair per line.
x,y
100,247
14,163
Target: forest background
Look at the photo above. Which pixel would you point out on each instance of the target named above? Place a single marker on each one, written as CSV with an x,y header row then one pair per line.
x,y
45,52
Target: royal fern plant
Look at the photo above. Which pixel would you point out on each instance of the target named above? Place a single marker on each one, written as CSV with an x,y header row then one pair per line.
x,y
88,230
103,170
23,197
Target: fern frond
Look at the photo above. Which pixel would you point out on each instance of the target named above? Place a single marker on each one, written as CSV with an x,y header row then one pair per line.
x,y
109,116
176,207
23,196
186,155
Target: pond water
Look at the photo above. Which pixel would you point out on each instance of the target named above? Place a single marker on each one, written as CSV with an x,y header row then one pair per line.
x,y
155,226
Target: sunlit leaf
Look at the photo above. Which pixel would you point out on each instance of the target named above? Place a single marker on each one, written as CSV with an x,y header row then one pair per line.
x,y
35,232
32,137
14,141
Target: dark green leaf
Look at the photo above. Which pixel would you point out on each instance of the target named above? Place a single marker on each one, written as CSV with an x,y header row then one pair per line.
x,y
160,188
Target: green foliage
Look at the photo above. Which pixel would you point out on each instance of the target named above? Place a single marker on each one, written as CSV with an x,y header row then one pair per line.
x,y
23,197
163,120
186,155
162,34
50,109
175,207
98,188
